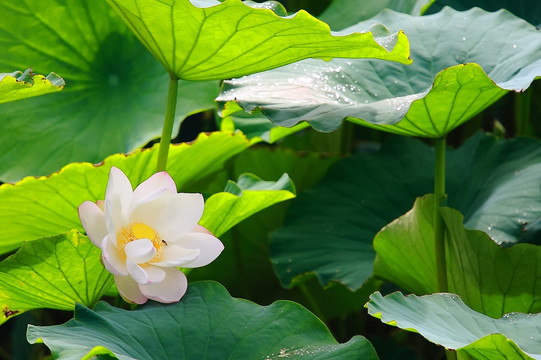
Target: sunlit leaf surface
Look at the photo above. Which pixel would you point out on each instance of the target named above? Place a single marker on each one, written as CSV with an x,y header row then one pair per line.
x,y
18,85
38,207
463,62
246,253
490,279
52,273
114,99
208,39
445,320
206,324
364,193
242,199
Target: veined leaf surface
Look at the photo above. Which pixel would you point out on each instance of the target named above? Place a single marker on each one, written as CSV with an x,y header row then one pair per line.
x,y
52,273
114,98
206,324
211,40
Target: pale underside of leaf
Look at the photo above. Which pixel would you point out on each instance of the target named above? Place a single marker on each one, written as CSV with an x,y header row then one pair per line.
x,y
459,69
445,320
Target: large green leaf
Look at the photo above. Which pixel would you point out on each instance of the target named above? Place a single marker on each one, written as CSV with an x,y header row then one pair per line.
x,y
343,13
529,10
246,253
114,100
208,39
52,273
243,199
18,85
495,183
445,320
38,207
206,324
462,64
490,279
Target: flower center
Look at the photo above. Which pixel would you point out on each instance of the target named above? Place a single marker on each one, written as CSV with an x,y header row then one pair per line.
x,y
138,231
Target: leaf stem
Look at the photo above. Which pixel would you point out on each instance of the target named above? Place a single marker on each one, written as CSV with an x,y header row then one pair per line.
x,y
522,113
168,122
450,355
312,301
439,227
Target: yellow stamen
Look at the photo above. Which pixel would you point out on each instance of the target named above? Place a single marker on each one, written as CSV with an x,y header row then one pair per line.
x,y
138,231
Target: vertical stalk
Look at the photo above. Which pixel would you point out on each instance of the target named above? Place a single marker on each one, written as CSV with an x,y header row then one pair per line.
x,y
439,229
312,301
522,113
168,122
439,226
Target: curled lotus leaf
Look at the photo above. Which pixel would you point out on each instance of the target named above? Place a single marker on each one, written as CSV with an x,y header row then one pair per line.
x,y
462,63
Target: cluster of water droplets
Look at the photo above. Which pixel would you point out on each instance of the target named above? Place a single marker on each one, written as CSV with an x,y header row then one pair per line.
x,y
306,351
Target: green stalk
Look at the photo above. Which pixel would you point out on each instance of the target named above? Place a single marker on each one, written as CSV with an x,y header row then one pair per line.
x,y
168,122
522,113
439,227
312,301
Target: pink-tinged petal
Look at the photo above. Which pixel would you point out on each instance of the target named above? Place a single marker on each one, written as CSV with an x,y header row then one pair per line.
x,y
155,274
209,245
129,290
140,251
159,195
101,204
114,219
93,221
112,258
170,290
119,192
137,272
161,180
174,255
172,216
118,184
200,229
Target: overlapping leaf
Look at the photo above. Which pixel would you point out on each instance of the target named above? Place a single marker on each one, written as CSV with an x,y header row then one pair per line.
x,y
529,10
490,279
52,273
246,254
494,183
243,199
208,39
18,85
38,207
462,64
445,320
206,324
343,13
114,100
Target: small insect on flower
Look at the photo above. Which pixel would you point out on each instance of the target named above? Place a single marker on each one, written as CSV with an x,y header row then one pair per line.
x,y
130,227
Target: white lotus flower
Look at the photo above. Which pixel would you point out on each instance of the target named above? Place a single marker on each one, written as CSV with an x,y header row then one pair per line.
x,y
144,234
